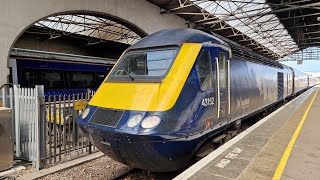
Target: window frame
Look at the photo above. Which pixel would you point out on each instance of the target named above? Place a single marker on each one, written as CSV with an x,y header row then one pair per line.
x,y
211,70
70,81
65,76
225,63
40,73
142,78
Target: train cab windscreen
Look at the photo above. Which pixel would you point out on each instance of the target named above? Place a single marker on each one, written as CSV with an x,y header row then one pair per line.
x,y
147,65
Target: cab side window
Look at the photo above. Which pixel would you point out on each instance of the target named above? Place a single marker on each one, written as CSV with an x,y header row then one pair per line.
x,y
204,70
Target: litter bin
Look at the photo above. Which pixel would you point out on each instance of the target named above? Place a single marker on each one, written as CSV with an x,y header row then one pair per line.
x,y
6,140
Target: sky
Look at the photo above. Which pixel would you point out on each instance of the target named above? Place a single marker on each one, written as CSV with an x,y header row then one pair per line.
x,y
308,66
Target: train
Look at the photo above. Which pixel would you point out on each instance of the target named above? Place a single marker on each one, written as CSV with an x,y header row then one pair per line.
x,y
177,89
60,73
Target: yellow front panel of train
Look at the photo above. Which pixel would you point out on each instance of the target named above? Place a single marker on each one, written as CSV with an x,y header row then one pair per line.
x,y
146,96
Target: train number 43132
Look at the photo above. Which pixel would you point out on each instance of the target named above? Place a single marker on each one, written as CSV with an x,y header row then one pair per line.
x,y
208,101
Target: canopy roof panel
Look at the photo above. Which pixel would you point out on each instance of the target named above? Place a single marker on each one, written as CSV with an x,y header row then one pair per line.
x,y
272,28
242,16
307,54
97,29
301,19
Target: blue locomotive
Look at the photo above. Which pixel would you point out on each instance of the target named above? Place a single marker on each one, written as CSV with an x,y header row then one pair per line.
x,y
174,90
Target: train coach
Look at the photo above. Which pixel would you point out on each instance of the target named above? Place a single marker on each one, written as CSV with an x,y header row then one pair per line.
x,y
313,81
173,91
59,73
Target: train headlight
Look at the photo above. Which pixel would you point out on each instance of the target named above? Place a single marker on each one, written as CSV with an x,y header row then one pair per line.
x,y
85,113
150,122
134,120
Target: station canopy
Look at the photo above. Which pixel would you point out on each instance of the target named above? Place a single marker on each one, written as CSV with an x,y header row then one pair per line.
x,y
307,54
273,28
93,29
278,29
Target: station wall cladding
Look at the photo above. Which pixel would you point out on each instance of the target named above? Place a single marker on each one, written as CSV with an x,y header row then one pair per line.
x,y
17,16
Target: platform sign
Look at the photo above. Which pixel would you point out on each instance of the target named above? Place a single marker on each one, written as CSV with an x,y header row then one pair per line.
x,y
79,105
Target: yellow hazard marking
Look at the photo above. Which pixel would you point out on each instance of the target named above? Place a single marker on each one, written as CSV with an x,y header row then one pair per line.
x,y
277,175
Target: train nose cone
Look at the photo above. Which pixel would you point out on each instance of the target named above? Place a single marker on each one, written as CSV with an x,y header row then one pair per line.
x,y
151,154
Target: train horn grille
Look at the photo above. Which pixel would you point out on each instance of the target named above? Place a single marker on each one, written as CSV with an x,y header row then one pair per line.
x,y
106,117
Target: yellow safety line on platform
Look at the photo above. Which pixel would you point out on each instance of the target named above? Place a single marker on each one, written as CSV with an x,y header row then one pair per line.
x,y
277,175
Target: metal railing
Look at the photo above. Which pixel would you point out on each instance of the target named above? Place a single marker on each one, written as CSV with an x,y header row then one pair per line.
x,y
45,128
26,109
63,139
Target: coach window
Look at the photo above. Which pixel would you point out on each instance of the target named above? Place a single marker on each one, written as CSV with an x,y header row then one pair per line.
x,y
222,70
81,79
99,78
204,71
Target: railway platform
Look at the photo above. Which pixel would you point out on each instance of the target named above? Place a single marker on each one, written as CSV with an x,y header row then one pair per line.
x,y
283,145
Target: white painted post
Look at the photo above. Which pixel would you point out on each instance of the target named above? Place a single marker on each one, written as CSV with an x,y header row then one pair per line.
x,y
17,119
27,113
11,106
32,122
11,98
22,125
28,122
36,126
3,90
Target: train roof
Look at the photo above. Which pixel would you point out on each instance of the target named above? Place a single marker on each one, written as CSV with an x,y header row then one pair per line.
x,y
44,55
176,36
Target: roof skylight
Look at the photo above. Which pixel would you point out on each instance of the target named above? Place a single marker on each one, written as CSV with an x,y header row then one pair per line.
x,y
253,18
87,25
